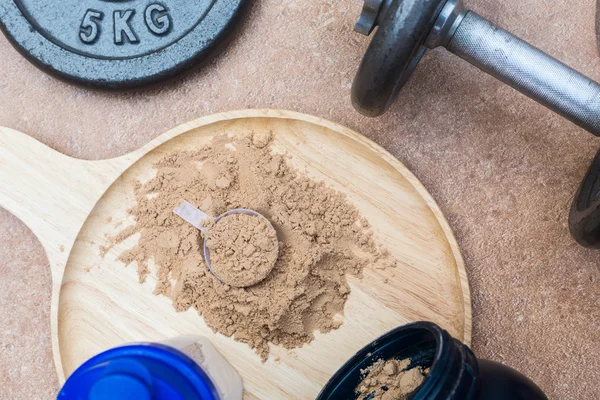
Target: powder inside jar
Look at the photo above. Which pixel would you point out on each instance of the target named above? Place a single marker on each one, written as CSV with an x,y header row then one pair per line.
x,y
390,380
243,249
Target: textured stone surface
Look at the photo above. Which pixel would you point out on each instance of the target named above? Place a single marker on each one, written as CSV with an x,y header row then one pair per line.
x,y
502,168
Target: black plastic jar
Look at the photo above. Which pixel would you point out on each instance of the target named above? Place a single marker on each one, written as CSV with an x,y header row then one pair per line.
x,y
455,372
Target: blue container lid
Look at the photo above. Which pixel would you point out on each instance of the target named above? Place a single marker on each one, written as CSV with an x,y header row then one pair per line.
x,y
146,371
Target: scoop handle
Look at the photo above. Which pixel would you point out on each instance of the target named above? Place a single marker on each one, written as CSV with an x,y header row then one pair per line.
x,y
192,215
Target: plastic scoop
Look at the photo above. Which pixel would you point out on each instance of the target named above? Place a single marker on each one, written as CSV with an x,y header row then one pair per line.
x,y
198,219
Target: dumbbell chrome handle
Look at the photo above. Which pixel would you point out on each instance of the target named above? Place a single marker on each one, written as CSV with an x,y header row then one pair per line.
x,y
518,64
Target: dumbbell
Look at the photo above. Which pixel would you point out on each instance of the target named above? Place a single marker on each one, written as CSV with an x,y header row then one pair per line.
x,y
407,28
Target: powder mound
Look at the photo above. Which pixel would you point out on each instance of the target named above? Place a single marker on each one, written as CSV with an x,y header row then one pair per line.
x,y
322,239
390,380
243,249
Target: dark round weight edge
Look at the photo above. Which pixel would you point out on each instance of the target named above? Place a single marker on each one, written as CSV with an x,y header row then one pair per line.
x,y
126,81
584,218
393,54
425,344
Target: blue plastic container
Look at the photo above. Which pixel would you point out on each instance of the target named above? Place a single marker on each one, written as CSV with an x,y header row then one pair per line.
x,y
145,371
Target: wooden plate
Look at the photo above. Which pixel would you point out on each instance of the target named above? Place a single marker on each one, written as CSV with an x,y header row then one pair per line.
x,y
97,303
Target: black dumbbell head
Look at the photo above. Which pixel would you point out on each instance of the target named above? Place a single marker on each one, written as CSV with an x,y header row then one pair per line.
x,y
584,219
394,52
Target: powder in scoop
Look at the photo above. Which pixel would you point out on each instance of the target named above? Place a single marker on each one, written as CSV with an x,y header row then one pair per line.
x,y
390,380
322,238
243,249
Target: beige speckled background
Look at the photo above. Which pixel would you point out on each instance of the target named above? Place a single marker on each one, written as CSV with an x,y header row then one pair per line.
x,y
502,168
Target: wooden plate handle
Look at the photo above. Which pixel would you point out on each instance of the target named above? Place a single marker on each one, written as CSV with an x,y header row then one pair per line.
x,y
51,193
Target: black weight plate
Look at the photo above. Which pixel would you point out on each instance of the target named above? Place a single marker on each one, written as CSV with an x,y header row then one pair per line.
x,y
393,54
584,219
118,44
